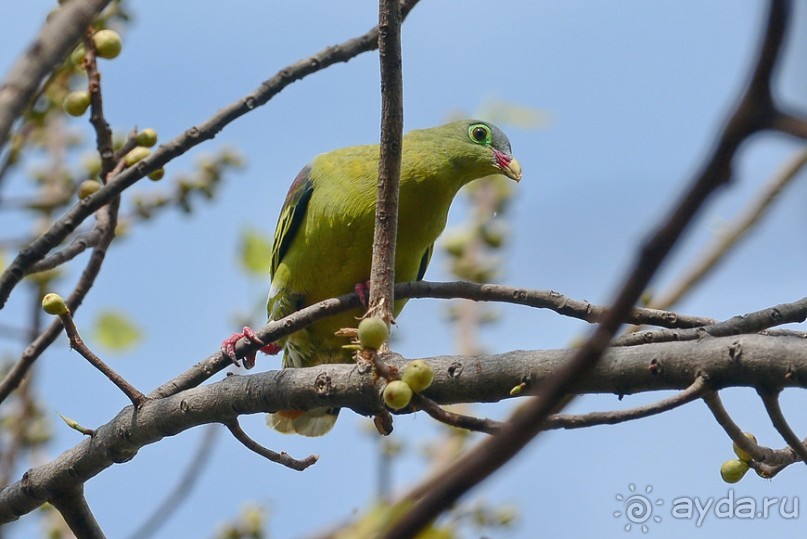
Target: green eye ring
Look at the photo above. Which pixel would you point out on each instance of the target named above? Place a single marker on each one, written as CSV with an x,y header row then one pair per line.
x,y
480,134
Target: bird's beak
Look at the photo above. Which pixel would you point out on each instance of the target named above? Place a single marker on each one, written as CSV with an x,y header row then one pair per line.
x,y
509,165
513,170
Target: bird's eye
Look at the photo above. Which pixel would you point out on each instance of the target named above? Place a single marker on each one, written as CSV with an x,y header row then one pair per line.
x,y
480,133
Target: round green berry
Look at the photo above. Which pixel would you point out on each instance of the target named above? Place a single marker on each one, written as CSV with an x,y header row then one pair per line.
x,y
157,175
418,375
107,43
742,455
147,137
54,304
76,103
138,153
88,187
373,333
733,470
77,56
397,394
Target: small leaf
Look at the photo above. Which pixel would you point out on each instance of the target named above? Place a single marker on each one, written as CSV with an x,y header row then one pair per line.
x,y
256,252
115,331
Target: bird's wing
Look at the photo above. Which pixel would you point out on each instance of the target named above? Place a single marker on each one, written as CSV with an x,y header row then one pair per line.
x,y
291,215
424,262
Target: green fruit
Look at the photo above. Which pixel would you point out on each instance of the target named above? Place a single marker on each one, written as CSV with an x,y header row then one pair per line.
x,y
88,187
137,153
107,43
147,137
733,470
157,175
77,56
76,103
373,333
397,394
742,455
54,304
418,375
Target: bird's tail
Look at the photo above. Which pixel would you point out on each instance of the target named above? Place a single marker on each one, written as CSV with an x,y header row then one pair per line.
x,y
314,422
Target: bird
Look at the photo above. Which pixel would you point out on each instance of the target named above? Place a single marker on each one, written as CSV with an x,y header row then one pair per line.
x,y
322,246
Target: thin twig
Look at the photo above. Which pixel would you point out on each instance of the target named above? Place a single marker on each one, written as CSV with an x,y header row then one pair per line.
x,y
568,421
784,313
280,458
460,421
77,344
103,134
758,452
771,401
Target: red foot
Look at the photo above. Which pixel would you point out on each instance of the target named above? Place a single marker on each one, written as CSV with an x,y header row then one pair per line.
x,y
363,291
228,347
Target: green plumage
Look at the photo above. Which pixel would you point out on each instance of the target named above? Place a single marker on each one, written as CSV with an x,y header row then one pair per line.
x,y
323,241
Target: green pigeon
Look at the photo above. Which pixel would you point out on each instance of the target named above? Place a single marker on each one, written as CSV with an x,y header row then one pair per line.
x,y
323,241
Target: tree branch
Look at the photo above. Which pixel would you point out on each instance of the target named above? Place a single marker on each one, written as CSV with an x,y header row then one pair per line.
x,y
382,272
765,362
421,289
565,421
280,458
72,505
771,401
37,249
784,313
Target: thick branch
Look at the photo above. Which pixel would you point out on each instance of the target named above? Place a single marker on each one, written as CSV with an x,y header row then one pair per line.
x,y
763,362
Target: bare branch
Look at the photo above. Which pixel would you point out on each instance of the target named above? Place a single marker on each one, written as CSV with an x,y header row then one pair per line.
x,y
77,344
784,313
421,289
382,272
37,249
72,505
105,224
758,452
565,421
771,401
281,458
460,421
765,362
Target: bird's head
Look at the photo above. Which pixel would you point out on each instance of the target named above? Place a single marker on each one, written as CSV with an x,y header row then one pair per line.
x,y
488,145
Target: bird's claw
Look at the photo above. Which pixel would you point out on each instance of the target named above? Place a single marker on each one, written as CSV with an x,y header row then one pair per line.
x,y
228,347
363,291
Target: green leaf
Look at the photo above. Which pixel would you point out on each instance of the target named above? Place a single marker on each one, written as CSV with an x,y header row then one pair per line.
x,y
256,252
115,332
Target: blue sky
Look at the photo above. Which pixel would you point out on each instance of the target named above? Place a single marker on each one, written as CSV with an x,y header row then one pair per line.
x,y
632,93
